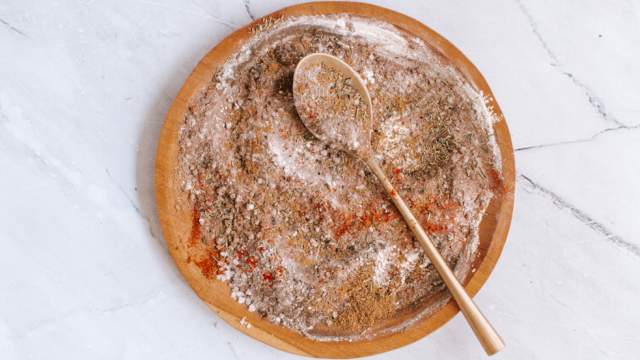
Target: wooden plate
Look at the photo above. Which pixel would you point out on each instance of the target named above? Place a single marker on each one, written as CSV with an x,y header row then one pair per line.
x,y
176,214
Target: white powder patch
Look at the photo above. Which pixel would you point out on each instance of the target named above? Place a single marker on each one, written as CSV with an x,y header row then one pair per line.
x,y
393,143
408,264
368,76
384,259
299,163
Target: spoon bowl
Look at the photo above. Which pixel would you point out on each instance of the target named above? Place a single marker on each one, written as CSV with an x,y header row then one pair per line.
x,y
325,130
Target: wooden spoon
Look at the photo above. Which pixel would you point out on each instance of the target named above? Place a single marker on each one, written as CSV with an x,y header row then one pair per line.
x,y
355,138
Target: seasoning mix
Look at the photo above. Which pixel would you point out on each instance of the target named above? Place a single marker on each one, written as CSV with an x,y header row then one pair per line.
x,y
302,233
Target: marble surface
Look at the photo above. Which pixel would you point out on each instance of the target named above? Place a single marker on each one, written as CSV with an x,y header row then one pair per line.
x,y
84,86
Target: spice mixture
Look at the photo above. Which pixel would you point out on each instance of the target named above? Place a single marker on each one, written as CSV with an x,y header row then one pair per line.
x,y
331,107
302,233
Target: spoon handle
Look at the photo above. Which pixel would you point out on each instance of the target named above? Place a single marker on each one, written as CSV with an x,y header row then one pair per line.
x,y
486,334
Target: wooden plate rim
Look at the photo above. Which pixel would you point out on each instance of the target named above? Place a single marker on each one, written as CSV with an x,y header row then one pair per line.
x,y
175,220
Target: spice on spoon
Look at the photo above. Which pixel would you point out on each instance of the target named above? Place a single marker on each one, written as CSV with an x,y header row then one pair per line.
x,y
333,108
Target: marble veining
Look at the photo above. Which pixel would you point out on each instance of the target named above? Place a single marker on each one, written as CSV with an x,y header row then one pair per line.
x,y
599,228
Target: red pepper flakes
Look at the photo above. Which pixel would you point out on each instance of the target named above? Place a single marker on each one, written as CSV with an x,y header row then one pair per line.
x,y
196,231
252,261
261,249
346,226
209,264
434,227
322,207
434,205
397,171
267,276
371,216
366,219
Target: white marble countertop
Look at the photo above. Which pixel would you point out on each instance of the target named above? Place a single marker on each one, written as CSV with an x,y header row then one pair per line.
x,y
84,87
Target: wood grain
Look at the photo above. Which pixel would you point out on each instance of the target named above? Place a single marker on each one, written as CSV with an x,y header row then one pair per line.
x,y
175,214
